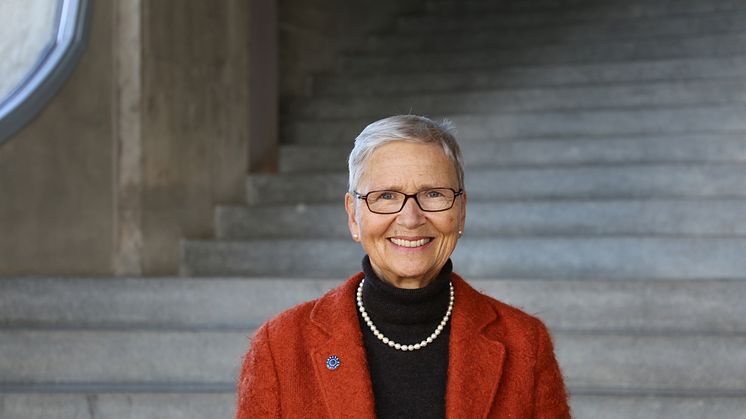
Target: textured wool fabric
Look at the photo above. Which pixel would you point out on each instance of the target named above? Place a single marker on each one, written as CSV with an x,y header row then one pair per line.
x,y
500,363
412,381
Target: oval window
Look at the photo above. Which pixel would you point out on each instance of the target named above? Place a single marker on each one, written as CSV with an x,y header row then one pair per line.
x,y
40,43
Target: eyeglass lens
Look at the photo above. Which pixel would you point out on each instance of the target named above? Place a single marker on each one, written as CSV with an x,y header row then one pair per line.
x,y
439,199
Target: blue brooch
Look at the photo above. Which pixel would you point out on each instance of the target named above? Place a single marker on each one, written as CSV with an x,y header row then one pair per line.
x,y
332,362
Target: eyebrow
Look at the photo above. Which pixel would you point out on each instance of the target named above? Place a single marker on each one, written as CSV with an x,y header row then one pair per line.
x,y
400,189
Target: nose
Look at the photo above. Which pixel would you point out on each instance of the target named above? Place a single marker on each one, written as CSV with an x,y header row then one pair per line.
x,y
410,215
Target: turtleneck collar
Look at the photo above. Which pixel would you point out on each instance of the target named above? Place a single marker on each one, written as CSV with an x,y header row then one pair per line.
x,y
386,303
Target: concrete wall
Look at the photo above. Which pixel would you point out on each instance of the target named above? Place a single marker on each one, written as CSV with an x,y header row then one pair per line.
x,y
152,130
146,137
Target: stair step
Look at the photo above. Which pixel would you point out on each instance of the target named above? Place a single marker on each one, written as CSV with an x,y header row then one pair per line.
x,y
599,360
511,76
679,148
447,32
492,219
149,303
642,362
675,93
612,51
640,306
222,405
118,357
649,406
574,14
134,405
608,182
551,124
633,8
539,257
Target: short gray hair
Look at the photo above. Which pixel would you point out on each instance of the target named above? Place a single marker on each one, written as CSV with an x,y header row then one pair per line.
x,y
411,128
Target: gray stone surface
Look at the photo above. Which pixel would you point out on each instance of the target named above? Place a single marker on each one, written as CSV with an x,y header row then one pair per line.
x,y
634,9
615,362
116,357
117,405
150,303
719,45
222,405
635,14
644,363
666,407
237,304
564,182
548,124
500,30
674,148
538,257
684,217
677,93
513,75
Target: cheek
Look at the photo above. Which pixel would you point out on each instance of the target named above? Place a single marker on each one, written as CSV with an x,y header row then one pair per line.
x,y
447,224
373,226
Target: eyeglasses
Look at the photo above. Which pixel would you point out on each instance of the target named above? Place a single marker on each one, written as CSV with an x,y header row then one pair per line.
x,y
391,202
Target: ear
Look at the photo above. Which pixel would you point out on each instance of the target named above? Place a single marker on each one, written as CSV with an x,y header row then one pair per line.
x,y
352,223
462,221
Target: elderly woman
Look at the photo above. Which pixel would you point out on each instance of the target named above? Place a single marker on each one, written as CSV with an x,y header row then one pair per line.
x,y
406,337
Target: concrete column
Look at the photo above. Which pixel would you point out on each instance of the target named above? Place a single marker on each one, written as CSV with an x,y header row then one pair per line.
x,y
195,121
128,142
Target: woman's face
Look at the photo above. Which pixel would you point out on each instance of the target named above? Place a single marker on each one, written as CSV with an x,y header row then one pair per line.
x,y
409,168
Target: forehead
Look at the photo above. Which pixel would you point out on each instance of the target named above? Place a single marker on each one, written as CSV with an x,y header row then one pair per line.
x,y
408,166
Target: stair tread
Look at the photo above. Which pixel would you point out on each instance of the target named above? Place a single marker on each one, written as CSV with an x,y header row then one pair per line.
x,y
515,75
675,93
617,51
236,304
519,257
35,405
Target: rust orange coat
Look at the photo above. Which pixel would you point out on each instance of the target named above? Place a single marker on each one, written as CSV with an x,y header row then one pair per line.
x,y
501,362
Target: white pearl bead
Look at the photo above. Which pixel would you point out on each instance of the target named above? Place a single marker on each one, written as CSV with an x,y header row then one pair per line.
x,y
378,334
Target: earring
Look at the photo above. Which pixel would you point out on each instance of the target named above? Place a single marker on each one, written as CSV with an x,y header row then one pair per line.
x,y
460,232
355,236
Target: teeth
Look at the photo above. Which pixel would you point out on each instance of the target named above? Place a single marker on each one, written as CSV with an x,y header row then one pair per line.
x,y
410,243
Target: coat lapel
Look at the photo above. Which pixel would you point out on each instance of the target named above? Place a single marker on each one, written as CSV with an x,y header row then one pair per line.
x,y
476,360
347,390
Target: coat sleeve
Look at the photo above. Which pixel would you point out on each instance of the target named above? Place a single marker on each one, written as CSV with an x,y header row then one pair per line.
x,y
258,388
550,397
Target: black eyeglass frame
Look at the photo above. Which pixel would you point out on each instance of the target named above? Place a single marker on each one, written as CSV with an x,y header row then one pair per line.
x,y
456,194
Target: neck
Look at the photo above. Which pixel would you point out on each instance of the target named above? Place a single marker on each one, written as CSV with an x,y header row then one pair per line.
x,y
406,283
410,283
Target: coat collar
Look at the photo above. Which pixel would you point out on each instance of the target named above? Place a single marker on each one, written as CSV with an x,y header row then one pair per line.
x,y
475,358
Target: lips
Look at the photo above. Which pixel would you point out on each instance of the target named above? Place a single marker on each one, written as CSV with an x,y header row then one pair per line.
x,y
410,243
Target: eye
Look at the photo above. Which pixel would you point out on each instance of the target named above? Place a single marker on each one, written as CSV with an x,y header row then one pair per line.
x,y
434,193
383,196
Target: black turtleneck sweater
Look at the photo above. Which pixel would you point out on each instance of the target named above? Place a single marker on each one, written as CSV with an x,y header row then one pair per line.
x,y
409,384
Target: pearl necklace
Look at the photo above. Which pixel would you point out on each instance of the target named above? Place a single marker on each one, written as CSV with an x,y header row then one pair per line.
x,y
390,342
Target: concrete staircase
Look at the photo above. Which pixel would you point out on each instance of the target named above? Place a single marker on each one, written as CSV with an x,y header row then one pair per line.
x,y
605,145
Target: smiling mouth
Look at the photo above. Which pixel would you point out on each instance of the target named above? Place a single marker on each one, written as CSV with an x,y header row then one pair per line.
x,y
410,243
